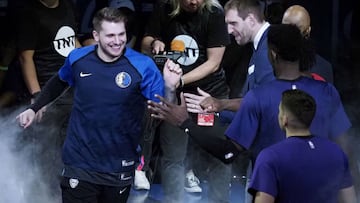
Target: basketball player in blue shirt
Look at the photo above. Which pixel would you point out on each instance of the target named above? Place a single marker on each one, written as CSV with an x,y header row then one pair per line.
x,y
111,85
303,167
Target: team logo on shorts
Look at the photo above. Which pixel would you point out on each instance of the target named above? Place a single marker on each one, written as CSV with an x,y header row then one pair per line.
x,y
123,80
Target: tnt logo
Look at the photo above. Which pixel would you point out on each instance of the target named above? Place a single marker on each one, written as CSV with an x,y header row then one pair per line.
x,y
191,49
64,41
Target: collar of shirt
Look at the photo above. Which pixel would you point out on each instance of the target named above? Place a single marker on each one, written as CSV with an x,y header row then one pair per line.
x,y
259,34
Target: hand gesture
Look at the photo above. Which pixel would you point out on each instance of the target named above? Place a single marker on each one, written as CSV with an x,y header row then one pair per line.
x,y
201,103
172,113
172,74
26,118
39,115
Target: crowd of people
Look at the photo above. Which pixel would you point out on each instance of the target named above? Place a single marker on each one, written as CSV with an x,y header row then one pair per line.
x,y
124,93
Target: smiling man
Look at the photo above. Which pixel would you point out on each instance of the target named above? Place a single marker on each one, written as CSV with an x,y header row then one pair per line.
x,y
111,85
245,21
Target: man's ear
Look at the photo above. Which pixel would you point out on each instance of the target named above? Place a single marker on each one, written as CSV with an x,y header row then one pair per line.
x,y
273,55
95,35
307,32
251,19
285,119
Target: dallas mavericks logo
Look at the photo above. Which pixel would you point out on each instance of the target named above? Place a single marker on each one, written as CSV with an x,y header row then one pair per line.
x,y
190,49
64,41
123,80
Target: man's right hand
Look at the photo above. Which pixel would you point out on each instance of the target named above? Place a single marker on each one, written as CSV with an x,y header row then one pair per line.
x,y
26,118
165,110
39,115
157,46
203,102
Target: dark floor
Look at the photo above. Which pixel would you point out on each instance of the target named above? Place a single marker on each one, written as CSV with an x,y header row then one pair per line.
x,y
155,194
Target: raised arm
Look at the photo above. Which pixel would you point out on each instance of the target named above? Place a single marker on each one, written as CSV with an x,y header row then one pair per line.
x,y
172,74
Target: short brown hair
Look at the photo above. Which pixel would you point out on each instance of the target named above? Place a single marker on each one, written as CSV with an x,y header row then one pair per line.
x,y
245,7
108,14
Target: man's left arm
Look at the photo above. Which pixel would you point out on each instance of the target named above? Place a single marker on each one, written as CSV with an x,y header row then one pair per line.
x,y
172,78
262,197
347,195
346,143
217,38
212,64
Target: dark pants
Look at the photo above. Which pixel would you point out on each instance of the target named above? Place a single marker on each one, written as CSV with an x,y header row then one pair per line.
x,y
147,141
77,191
173,143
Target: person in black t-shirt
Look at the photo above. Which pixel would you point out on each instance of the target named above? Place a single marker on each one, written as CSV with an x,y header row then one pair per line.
x,y
46,33
194,34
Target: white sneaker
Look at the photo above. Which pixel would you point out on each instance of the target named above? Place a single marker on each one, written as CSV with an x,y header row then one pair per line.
x,y
192,183
140,181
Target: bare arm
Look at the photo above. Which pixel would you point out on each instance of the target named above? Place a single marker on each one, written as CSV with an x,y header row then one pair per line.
x,y
204,102
262,197
151,45
171,73
224,104
347,195
214,56
145,45
346,143
29,71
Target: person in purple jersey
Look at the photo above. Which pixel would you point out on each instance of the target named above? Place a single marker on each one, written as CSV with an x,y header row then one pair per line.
x,y
111,84
255,124
303,167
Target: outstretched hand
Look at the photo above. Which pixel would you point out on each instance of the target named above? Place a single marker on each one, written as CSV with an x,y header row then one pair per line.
x,y
167,111
203,102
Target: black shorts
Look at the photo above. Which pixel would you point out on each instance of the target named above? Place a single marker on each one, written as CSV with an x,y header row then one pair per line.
x,y
77,191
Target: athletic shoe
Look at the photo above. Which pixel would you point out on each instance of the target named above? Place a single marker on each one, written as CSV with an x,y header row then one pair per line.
x,y
192,183
140,181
